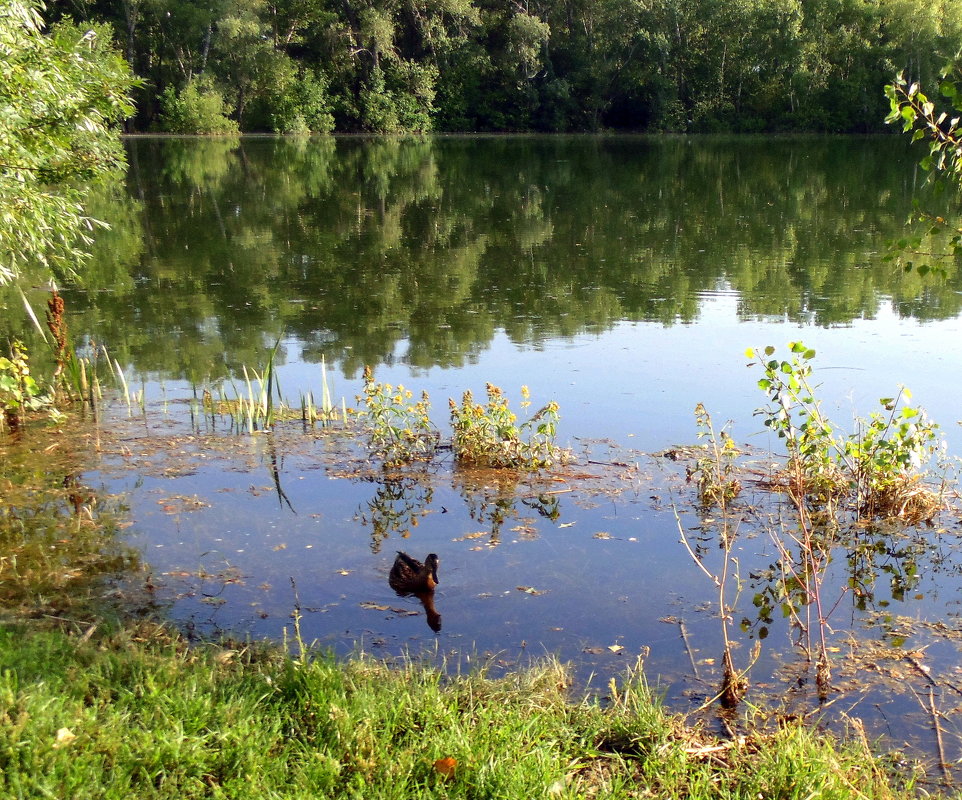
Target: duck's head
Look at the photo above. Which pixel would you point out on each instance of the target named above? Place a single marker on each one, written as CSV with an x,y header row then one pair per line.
x,y
432,562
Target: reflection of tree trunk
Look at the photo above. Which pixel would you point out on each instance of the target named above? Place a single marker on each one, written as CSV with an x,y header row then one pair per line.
x,y
134,171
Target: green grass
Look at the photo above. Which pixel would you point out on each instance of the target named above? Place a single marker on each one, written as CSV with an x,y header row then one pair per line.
x,y
154,719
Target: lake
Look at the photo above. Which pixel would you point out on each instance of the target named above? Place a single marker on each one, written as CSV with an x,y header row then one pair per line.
x,y
623,278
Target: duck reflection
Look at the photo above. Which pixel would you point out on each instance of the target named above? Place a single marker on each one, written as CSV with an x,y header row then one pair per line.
x,y
410,577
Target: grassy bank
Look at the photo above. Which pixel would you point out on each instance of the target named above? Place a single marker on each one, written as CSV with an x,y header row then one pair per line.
x,y
136,714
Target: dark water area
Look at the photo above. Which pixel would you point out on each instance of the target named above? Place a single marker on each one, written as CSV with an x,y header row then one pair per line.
x,y
622,277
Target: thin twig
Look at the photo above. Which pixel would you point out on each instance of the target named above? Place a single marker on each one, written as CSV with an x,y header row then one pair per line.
x,y
691,655
921,669
943,765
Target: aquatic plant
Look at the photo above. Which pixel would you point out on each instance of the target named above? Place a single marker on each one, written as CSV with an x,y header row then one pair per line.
x,y
489,436
259,402
19,391
399,429
327,412
75,378
835,482
715,472
877,470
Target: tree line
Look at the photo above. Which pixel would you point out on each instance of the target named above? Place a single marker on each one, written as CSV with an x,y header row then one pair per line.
x,y
397,66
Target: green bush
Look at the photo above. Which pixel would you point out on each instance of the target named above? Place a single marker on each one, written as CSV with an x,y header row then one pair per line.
x,y
304,108
197,108
399,99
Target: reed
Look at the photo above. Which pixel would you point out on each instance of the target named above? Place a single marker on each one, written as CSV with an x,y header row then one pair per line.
x,y
260,403
119,372
326,405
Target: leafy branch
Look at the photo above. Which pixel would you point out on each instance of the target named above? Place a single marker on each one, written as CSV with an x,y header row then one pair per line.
x,y
941,126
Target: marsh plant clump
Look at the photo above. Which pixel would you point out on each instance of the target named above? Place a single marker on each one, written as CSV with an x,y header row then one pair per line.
x,y
19,391
399,428
874,472
838,484
75,380
490,435
716,472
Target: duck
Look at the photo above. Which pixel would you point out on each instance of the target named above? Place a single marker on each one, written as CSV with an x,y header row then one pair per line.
x,y
410,576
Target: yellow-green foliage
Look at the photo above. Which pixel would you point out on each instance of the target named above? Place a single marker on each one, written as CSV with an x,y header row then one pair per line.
x,y
399,429
489,435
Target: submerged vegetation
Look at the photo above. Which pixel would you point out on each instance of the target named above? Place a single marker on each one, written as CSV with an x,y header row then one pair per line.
x,y
60,544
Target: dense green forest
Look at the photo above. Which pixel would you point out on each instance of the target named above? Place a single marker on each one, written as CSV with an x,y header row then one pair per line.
x,y
392,66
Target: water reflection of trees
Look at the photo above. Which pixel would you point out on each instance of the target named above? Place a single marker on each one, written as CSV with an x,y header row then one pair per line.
x,y
494,497
61,550
355,247
857,567
397,505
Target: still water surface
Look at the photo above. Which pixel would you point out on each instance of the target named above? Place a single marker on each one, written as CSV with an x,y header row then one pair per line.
x,y
622,277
